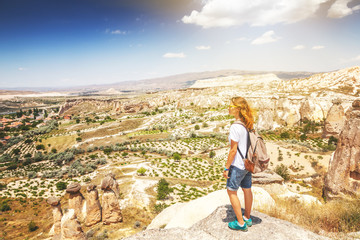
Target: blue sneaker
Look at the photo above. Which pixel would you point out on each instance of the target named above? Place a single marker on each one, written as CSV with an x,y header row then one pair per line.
x,y
248,222
235,226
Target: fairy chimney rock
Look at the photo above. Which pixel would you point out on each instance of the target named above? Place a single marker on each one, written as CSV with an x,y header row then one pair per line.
x,y
335,119
76,199
57,215
344,169
93,207
70,227
111,212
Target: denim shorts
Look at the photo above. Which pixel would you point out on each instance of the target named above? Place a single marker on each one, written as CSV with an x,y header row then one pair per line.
x,y
237,178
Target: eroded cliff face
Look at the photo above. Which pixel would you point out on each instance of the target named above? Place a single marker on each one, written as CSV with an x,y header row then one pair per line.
x,y
343,176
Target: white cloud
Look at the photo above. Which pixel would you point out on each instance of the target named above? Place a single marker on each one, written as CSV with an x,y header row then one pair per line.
x,y
299,47
118,32
174,55
226,13
203,47
22,69
340,9
267,37
115,32
317,47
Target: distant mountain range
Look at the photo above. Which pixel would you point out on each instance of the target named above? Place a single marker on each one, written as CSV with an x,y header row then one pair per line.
x,y
179,81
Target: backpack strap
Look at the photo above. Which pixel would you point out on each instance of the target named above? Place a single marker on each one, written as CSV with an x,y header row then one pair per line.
x,y
248,141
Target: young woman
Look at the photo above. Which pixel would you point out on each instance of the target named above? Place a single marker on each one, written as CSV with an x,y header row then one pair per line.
x,y
234,170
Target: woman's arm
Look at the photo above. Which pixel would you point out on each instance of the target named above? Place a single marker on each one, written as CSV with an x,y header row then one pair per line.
x,y
232,153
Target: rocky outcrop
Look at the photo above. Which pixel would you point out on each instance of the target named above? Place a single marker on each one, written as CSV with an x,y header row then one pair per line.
x,y
344,170
93,207
184,215
215,227
75,199
106,104
335,120
57,215
70,227
310,110
111,212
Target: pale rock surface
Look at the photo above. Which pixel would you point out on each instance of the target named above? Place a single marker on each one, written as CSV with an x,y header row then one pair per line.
x,y
93,207
281,191
70,227
344,170
215,227
57,215
335,120
311,110
76,199
186,214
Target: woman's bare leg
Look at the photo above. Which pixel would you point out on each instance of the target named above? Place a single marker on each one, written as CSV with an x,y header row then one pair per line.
x,y
248,196
235,203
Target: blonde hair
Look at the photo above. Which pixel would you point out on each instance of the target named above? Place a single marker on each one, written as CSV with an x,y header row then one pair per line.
x,y
245,112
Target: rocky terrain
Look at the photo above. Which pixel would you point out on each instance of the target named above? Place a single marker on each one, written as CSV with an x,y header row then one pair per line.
x,y
180,136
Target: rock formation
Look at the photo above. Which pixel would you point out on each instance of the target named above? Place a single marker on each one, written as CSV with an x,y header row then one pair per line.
x,y
344,170
57,215
184,215
75,199
111,212
70,227
214,227
335,120
93,207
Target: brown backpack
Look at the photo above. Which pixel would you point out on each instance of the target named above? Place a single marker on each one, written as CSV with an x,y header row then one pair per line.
x,y
256,158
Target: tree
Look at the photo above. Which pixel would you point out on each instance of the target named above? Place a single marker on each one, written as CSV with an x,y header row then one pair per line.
x,y
32,226
212,154
77,120
141,171
177,156
107,150
197,127
163,189
40,147
61,186
54,150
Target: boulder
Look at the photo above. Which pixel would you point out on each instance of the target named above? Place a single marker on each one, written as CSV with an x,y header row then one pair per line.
x,y
57,215
70,227
344,169
76,199
93,207
335,120
267,177
110,183
185,215
215,227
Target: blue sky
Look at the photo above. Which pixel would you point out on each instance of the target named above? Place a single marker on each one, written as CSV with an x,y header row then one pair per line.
x,y
57,43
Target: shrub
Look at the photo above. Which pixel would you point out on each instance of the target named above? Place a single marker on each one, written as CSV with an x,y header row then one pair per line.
x,y
212,154
303,137
2,186
4,206
197,127
61,186
78,139
141,171
159,207
31,174
107,150
40,147
285,135
176,156
32,226
54,150
283,171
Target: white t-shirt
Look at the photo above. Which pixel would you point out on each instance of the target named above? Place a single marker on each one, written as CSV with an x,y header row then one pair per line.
x,y
239,134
